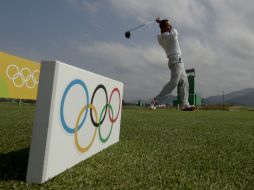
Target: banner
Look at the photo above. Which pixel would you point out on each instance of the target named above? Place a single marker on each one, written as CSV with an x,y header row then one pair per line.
x,y
19,77
78,114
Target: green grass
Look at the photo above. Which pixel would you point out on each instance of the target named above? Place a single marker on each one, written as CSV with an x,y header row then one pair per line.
x,y
162,149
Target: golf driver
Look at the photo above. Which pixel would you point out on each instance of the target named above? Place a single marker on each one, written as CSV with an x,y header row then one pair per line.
x,y
128,33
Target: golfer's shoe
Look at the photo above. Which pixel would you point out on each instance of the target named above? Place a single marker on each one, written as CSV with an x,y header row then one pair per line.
x,y
153,107
188,107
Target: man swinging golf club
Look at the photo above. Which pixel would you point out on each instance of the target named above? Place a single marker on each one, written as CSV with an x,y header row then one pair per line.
x,y
168,39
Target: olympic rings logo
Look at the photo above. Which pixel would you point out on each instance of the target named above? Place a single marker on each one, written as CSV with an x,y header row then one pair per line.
x,y
25,74
97,121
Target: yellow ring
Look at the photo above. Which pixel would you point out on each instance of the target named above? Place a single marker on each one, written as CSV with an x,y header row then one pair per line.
x,y
84,149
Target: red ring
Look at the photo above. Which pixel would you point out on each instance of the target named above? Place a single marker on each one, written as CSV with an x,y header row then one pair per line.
x,y
110,117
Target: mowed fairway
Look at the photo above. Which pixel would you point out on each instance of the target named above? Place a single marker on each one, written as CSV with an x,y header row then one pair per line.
x,y
162,149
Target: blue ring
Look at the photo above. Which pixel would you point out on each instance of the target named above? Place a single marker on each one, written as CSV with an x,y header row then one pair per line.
x,y
65,126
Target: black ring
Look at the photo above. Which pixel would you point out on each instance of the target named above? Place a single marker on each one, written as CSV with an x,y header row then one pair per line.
x,y
91,115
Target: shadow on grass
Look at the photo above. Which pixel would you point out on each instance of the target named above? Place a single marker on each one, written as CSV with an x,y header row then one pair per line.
x,y
13,165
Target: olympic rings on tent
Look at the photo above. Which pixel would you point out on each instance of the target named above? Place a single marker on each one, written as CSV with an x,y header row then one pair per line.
x,y
25,74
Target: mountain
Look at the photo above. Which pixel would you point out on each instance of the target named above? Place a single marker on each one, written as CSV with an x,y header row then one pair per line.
x,y
243,97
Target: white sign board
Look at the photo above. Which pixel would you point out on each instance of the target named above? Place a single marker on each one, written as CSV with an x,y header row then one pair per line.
x,y
78,114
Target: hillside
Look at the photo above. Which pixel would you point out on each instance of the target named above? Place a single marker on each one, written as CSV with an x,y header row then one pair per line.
x,y
242,97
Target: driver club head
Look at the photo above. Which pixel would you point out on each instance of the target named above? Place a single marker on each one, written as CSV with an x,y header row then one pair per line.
x,y
127,34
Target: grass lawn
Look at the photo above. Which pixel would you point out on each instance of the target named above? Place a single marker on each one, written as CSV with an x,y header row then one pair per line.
x,y
162,149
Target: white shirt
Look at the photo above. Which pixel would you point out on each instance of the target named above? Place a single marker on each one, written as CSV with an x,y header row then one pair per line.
x,y
169,42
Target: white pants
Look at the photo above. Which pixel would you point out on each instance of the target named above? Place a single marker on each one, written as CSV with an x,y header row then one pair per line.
x,y
178,76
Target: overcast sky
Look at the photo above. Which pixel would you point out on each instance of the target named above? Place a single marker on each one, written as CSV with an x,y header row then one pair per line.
x,y
216,38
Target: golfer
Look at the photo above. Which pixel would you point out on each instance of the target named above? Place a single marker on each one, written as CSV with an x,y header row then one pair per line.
x,y
168,39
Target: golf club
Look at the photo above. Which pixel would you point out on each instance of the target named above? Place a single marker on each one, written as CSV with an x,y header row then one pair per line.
x,y
128,33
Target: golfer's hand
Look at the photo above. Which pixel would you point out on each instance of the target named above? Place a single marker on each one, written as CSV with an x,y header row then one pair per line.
x,y
158,19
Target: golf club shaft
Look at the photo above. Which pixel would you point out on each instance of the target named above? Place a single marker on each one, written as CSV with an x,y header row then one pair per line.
x,y
150,22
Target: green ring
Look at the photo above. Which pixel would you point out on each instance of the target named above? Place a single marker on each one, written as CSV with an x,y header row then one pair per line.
x,y
103,140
